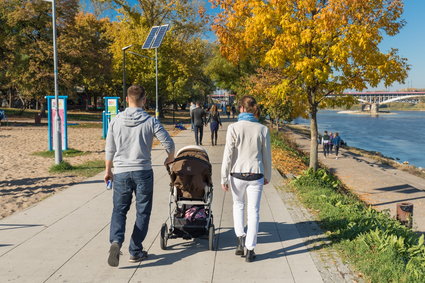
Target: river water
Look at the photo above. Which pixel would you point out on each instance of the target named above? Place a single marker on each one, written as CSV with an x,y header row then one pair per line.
x,y
400,134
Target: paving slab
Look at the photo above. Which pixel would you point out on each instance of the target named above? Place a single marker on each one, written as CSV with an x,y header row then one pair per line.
x,y
65,237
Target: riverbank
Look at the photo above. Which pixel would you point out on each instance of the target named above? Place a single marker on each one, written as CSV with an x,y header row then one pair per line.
x,y
375,182
375,155
359,112
377,247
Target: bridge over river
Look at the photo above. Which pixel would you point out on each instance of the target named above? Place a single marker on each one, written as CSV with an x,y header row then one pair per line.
x,y
372,100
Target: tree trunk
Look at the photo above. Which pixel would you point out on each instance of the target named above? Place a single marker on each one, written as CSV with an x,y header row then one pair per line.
x,y
95,102
160,108
43,109
313,141
10,97
87,101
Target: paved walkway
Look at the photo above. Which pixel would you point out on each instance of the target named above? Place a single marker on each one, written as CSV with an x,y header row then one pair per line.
x,y
378,184
65,238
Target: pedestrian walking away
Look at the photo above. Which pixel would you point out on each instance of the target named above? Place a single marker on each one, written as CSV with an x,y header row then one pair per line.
x,y
228,111
336,141
326,139
215,122
233,111
245,169
192,106
128,148
198,118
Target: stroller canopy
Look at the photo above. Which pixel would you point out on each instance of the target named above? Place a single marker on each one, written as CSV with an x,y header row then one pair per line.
x,y
191,172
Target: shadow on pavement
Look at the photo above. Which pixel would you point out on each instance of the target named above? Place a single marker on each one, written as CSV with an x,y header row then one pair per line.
x,y
17,226
182,250
24,181
271,232
91,182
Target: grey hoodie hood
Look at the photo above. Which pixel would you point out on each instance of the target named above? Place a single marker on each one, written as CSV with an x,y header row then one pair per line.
x,y
133,116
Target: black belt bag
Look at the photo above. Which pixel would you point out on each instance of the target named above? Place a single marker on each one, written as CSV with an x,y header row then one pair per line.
x,y
247,176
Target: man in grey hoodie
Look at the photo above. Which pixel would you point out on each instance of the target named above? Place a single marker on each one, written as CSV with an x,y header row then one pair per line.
x,y
128,147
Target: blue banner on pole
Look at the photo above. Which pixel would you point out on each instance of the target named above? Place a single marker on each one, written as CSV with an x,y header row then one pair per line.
x,y
111,110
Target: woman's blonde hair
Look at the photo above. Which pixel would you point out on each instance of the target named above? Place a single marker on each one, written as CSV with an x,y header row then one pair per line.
x,y
214,108
250,105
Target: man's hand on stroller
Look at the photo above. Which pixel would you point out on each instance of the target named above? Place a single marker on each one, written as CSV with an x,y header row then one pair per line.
x,y
169,159
225,187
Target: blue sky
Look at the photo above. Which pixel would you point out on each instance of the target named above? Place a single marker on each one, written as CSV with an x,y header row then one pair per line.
x,y
410,42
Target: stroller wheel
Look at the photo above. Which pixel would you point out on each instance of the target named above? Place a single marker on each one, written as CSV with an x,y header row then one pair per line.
x,y
164,236
211,234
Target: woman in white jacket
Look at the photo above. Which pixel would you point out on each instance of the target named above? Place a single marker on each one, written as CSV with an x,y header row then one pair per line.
x,y
246,168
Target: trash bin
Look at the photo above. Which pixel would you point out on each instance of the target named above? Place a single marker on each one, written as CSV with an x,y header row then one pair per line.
x,y
405,213
37,118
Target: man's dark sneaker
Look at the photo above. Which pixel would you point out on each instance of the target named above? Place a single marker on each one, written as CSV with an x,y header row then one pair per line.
x,y
240,246
250,255
114,254
139,257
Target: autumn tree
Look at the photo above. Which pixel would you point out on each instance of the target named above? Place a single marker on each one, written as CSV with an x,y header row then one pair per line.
x,y
262,85
181,57
90,44
321,47
227,74
28,52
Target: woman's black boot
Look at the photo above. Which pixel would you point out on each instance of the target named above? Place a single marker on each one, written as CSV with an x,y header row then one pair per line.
x,y
250,255
241,246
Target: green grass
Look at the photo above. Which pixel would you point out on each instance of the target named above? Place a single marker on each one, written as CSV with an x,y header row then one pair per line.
x,y
66,153
17,112
87,125
61,167
84,116
377,245
87,169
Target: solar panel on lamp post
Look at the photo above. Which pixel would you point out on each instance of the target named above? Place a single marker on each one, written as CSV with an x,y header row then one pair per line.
x,y
153,41
57,135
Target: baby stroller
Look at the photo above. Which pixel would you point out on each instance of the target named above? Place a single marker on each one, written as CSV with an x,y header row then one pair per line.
x,y
191,194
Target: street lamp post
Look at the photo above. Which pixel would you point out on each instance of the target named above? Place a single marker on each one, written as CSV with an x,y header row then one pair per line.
x,y
153,41
123,74
57,135
156,84
123,68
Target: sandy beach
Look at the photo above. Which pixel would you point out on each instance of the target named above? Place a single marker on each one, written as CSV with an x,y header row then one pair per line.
x,y
25,178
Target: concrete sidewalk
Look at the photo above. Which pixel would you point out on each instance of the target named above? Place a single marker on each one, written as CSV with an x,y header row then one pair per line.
x,y
65,237
377,184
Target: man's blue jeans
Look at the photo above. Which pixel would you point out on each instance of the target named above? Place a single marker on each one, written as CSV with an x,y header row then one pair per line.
x,y
141,183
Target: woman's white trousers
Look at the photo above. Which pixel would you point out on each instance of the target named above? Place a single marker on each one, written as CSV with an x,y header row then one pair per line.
x,y
253,190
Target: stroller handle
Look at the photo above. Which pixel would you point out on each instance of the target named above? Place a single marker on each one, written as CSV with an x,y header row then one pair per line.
x,y
167,166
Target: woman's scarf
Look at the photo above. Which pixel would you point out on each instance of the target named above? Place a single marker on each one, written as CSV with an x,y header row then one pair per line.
x,y
245,116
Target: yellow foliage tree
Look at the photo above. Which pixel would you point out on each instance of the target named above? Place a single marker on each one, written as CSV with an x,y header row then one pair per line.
x,y
321,47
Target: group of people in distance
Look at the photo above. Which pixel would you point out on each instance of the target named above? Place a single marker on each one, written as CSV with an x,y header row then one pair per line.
x,y
200,117
331,141
246,168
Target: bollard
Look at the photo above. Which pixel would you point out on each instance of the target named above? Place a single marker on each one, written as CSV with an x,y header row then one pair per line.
x,y
405,214
37,118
